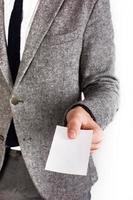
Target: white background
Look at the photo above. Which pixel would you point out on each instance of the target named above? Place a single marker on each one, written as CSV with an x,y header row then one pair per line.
x,y
114,160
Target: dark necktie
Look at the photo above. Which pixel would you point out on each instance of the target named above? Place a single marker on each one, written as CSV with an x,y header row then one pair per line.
x,y
13,52
13,49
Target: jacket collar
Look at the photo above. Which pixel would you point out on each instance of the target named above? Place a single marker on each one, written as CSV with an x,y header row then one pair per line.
x,y
44,17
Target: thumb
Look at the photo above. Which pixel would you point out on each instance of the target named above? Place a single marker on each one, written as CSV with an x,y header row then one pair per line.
x,y
73,126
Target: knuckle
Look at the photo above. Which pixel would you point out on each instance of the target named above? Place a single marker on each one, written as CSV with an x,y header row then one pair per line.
x,y
97,140
95,146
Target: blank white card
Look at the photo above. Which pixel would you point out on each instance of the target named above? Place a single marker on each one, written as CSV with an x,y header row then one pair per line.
x,y
69,156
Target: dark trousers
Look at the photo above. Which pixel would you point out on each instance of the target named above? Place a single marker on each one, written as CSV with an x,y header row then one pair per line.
x,y
15,181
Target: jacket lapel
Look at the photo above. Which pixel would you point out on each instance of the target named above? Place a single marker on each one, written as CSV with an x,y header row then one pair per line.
x,y
45,14
4,66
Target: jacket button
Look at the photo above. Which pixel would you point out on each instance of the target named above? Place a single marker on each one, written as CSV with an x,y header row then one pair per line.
x,y
15,100
1,138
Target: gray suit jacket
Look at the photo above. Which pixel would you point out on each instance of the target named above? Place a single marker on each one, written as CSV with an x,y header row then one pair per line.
x,y
69,49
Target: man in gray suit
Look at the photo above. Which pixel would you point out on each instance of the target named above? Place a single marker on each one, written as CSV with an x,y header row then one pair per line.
x,y
51,52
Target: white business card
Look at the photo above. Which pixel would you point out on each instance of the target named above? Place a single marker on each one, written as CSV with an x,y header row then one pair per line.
x,y
69,156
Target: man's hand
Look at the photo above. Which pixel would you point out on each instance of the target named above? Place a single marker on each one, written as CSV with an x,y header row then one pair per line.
x,y
78,118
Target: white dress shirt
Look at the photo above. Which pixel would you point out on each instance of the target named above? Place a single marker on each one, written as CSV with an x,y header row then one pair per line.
x,y
29,10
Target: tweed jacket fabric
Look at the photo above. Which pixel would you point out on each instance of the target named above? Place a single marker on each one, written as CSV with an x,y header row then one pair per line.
x,y
69,50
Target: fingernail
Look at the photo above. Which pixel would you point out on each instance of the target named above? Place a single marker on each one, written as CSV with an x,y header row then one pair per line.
x,y
72,134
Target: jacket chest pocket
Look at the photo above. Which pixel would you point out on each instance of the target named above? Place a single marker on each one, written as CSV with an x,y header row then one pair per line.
x,y
62,38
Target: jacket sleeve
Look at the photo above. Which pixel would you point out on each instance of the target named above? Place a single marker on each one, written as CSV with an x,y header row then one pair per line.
x,y
97,72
